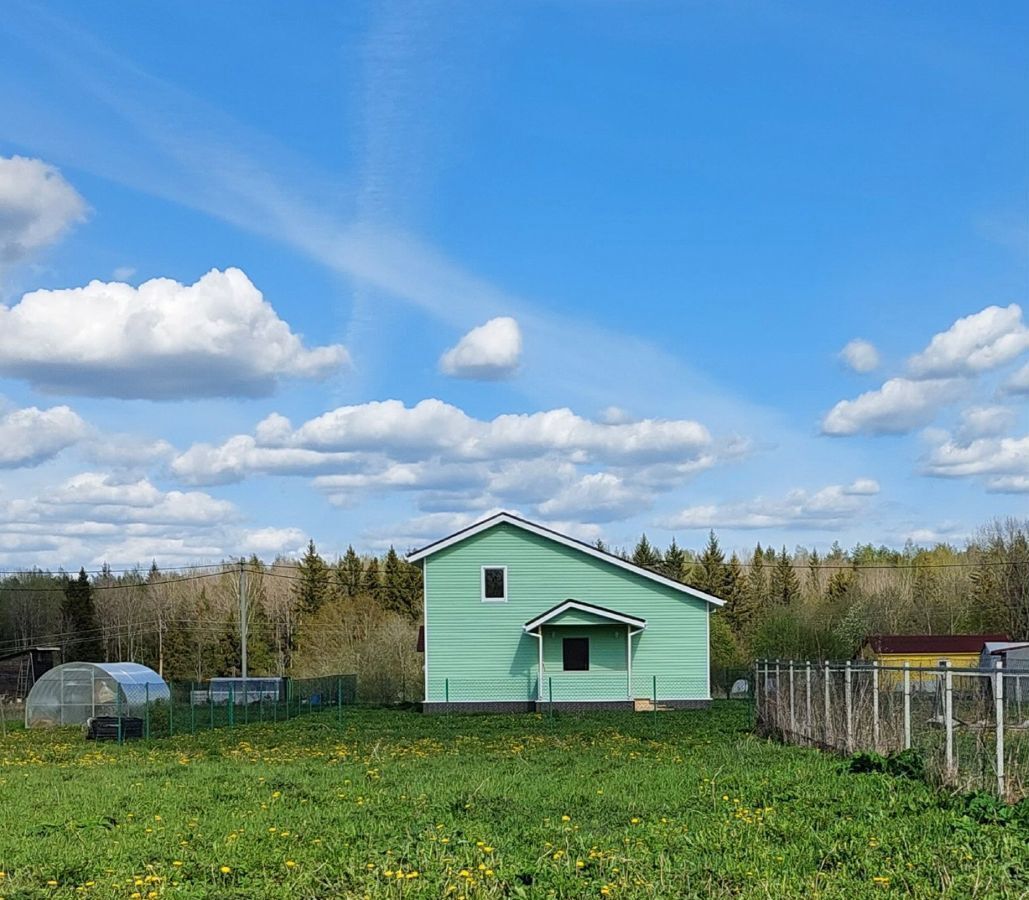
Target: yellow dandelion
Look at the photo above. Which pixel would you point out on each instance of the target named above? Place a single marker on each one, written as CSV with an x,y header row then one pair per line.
x,y
225,869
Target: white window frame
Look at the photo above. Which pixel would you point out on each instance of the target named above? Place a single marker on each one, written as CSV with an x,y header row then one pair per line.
x,y
482,586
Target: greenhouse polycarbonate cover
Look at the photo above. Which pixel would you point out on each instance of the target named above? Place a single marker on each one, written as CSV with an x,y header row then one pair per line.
x,y
72,693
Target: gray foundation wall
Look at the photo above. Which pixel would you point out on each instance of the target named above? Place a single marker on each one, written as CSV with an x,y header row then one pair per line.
x,y
519,706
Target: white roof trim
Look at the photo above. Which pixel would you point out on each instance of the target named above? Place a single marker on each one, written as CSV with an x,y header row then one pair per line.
x,y
504,518
586,608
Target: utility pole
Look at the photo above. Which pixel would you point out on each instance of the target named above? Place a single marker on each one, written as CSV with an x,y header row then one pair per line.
x,y
243,618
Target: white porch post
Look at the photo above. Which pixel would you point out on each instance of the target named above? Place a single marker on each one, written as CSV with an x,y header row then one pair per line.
x,y
628,663
539,679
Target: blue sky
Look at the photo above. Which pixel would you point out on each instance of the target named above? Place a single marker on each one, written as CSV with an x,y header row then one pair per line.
x,y
666,219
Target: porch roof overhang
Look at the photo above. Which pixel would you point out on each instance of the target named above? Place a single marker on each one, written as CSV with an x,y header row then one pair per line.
x,y
601,612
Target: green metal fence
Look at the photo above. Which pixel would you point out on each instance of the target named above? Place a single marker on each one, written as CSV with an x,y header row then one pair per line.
x,y
191,707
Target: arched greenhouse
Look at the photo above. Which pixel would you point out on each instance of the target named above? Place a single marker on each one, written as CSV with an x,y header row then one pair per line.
x,y
71,693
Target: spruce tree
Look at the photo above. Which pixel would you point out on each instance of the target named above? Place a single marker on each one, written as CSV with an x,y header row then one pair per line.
x,y
785,586
675,563
711,575
394,588
79,610
349,572
738,612
645,555
371,584
314,586
757,580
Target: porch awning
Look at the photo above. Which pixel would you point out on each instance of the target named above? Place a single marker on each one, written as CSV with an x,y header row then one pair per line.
x,y
590,609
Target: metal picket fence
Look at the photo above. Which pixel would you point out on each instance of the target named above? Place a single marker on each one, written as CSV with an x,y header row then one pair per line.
x,y
191,707
970,725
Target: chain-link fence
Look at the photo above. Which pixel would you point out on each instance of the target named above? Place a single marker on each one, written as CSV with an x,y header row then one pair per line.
x,y
138,710
970,726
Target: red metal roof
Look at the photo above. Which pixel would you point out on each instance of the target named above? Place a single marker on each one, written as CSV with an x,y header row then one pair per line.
x,y
930,643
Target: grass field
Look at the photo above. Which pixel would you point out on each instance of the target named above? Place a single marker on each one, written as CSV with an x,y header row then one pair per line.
x,y
393,804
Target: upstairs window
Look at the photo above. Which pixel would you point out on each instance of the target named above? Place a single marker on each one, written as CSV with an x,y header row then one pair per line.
x,y
494,584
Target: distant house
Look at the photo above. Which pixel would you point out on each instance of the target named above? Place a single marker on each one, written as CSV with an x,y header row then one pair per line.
x,y
517,615
1010,654
927,650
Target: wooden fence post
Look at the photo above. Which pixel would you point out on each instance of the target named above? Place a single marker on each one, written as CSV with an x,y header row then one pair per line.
x,y
998,694
907,705
849,703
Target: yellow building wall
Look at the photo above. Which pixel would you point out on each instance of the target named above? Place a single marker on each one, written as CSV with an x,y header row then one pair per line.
x,y
920,660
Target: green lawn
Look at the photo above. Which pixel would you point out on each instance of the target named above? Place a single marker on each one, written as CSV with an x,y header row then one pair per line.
x,y
394,804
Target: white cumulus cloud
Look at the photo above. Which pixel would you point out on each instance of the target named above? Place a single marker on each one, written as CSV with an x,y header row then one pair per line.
x,y
162,340
31,436
829,506
899,406
860,355
487,353
272,541
37,206
974,344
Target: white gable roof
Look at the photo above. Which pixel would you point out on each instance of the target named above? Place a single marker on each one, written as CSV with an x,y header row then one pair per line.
x,y
611,615
506,518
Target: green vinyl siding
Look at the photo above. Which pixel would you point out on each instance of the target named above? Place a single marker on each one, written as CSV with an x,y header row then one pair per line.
x,y
479,651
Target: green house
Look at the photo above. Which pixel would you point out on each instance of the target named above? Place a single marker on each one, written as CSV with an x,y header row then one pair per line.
x,y
517,616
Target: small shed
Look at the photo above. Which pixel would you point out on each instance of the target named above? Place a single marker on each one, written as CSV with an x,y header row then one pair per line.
x,y
71,693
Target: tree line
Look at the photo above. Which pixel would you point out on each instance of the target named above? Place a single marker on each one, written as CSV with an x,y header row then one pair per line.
x,y
305,617
360,613
804,605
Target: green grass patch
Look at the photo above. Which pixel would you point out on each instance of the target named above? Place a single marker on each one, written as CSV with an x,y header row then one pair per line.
x,y
394,804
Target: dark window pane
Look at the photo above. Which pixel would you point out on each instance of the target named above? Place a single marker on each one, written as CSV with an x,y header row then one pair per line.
x,y
576,654
494,584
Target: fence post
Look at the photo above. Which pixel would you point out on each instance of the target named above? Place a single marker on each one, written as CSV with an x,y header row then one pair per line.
x,y
146,710
339,700
793,715
655,700
778,699
998,692
948,711
192,708
232,706
757,696
907,705
118,689
171,709
246,702
875,706
765,716
210,704
827,687
849,701
807,702
446,693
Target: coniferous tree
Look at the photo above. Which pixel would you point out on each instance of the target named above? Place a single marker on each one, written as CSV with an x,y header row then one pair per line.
x,y
710,575
79,610
371,584
739,612
314,585
349,572
785,586
645,555
394,586
814,574
675,563
757,580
